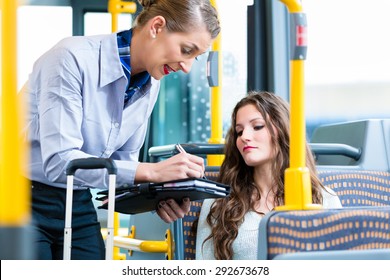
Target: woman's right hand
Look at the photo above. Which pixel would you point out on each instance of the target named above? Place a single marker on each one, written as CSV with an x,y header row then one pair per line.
x,y
180,166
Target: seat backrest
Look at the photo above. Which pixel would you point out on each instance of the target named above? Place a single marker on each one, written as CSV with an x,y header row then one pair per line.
x,y
338,230
370,136
358,187
190,221
363,223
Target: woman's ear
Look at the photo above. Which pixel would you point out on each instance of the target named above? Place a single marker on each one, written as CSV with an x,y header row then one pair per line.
x,y
156,26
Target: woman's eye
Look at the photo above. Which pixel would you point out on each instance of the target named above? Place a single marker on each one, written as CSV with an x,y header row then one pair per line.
x,y
186,51
239,133
258,127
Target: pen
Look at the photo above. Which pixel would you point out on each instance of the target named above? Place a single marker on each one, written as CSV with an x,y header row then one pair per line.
x,y
181,150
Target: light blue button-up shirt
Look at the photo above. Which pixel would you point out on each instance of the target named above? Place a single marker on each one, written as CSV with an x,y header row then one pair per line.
x,y
76,98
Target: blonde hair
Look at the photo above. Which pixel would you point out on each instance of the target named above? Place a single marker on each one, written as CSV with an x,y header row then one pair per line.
x,y
181,15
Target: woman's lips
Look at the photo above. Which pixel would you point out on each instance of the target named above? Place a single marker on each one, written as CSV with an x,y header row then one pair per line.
x,y
167,69
248,148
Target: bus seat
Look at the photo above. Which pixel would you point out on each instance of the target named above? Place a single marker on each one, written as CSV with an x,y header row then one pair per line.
x,y
371,137
374,254
338,230
358,187
190,221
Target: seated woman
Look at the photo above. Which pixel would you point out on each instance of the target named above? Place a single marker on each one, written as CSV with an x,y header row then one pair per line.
x,y
256,157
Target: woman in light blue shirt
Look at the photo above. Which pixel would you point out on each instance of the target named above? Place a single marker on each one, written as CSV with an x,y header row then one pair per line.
x,y
91,96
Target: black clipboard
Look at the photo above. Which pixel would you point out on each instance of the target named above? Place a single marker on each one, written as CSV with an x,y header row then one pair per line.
x,y
145,197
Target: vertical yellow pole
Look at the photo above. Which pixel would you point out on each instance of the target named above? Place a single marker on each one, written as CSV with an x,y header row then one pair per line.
x,y
298,193
14,191
216,106
115,7
14,195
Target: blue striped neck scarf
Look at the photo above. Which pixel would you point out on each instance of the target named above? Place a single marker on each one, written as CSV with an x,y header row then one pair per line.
x,y
137,81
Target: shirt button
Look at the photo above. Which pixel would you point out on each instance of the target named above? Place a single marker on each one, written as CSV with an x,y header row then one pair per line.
x,y
108,152
116,125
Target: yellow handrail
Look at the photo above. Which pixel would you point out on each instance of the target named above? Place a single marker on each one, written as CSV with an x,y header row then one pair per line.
x,y
129,242
294,6
298,194
116,7
14,191
15,213
141,245
148,246
216,136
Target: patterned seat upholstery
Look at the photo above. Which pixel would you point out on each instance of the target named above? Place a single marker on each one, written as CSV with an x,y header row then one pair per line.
x,y
359,187
190,222
363,223
349,228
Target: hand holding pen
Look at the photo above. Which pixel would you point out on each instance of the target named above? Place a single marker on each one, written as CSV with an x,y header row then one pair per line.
x,y
180,166
170,210
181,150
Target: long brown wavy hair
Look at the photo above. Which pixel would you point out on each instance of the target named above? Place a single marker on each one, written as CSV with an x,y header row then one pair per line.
x,y
227,214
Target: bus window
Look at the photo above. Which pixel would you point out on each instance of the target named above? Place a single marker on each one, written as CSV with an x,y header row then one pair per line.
x,y
234,49
347,71
36,36
100,23
182,113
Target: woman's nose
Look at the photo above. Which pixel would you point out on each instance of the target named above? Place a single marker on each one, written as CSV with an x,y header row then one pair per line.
x,y
186,65
245,136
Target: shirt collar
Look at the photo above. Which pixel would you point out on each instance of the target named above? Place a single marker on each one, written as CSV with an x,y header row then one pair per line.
x,y
124,40
110,65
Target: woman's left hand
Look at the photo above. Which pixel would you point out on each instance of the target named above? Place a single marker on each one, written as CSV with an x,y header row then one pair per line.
x,y
169,210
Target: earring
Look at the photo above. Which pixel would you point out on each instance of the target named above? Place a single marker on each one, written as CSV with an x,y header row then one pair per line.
x,y
154,36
